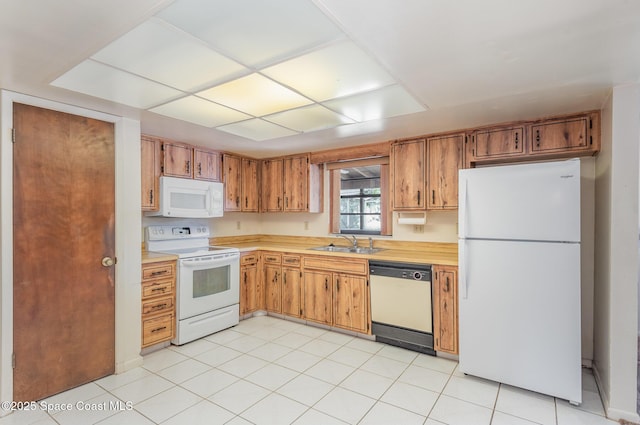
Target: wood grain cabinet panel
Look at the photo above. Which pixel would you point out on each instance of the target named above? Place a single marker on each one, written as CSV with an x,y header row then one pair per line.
x,y
560,135
351,295
295,181
272,186
250,184
445,156
318,296
177,160
150,172
445,309
495,143
408,175
291,291
158,302
206,165
250,289
232,182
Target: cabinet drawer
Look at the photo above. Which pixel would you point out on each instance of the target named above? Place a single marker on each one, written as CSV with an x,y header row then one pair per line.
x,y
156,270
273,258
291,260
249,259
335,264
164,304
157,329
157,287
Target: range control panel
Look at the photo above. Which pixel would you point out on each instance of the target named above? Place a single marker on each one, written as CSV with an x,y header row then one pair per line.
x,y
162,233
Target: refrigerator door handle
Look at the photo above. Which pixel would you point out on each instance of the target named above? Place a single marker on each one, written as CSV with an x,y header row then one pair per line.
x,y
463,268
463,211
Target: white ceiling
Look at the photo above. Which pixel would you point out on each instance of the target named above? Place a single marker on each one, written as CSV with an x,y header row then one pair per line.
x,y
465,62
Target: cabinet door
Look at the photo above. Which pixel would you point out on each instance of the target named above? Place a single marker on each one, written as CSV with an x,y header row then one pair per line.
x,y
444,159
206,165
445,309
408,178
350,295
272,192
150,165
291,292
248,288
273,287
295,183
177,160
232,182
496,143
560,135
249,185
317,288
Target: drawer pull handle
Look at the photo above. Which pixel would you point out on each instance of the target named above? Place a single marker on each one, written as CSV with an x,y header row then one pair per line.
x,y
158,289
159,272
158,329
159,306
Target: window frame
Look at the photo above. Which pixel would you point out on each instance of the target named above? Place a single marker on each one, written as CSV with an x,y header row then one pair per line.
x,y
334,195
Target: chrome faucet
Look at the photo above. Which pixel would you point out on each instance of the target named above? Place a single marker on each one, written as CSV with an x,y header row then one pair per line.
x,y
354,242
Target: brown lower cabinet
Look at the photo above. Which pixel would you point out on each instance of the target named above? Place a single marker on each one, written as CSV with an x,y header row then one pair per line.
x,y
158,302
445,308
251,293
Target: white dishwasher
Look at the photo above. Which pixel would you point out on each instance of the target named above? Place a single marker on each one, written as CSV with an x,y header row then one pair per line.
x,y
401,312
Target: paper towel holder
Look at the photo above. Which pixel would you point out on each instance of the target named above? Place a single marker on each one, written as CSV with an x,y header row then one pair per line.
x,y
412,217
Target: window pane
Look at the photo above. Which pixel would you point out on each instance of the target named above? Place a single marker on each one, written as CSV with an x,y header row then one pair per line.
x,y
350,222
371,205
360,207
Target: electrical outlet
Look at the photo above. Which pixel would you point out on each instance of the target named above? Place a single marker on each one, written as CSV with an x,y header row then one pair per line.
x,y
306,225
238,225
418,228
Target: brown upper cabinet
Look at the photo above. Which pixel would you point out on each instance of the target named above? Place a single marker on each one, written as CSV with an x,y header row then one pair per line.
x,y
151,169
550,138
291,184
408,175
445,156
241,183
177,160
206,165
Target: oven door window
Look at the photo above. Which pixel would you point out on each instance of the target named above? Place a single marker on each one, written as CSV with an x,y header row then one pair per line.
x,y
211,281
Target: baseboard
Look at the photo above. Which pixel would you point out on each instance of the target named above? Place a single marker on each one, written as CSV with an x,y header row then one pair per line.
x,y
122,367
612,413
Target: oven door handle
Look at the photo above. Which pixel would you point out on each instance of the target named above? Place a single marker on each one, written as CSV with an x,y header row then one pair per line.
x,y
205,263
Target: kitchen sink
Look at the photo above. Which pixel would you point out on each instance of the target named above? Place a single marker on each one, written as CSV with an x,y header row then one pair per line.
x,y
359,250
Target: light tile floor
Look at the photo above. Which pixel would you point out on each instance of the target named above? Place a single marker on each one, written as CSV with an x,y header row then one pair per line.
x,y
272,371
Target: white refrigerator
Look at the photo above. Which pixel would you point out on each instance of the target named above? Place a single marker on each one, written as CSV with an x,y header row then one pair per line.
x,y
519,276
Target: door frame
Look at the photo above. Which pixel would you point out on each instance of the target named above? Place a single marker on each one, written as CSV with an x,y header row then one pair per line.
x,y
128,237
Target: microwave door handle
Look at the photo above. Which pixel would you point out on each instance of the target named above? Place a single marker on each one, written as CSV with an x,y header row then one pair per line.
x,y
210,201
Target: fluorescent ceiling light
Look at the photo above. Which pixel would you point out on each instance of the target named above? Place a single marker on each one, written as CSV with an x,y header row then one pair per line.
x,y
255,95
309,118
105,82
378,104
257,129
199,111
254,32
338,70
162,53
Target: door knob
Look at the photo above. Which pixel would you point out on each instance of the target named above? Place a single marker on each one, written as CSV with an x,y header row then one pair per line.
x,y
108,261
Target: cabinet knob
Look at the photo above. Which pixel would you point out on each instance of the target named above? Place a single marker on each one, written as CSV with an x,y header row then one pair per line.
x,y
108,261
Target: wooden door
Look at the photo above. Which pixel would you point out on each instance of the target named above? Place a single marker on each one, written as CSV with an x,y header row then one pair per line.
x,y
206,165
63,218
445,309
150,165
444,159
291,291
408,168
317,296
295,183
177,160
273,287
272,185
350,301
249,185
232,182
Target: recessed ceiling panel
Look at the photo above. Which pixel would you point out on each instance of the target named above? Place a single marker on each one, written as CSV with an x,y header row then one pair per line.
x,y
254,32
309,118
162,53
255,95
200,111
257,129
96,79
338,70
378,104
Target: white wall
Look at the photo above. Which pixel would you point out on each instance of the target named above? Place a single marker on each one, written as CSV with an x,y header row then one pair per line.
x,y
127,167
616,259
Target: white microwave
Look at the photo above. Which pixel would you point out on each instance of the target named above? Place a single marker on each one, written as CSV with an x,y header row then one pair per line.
x,y
186,198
